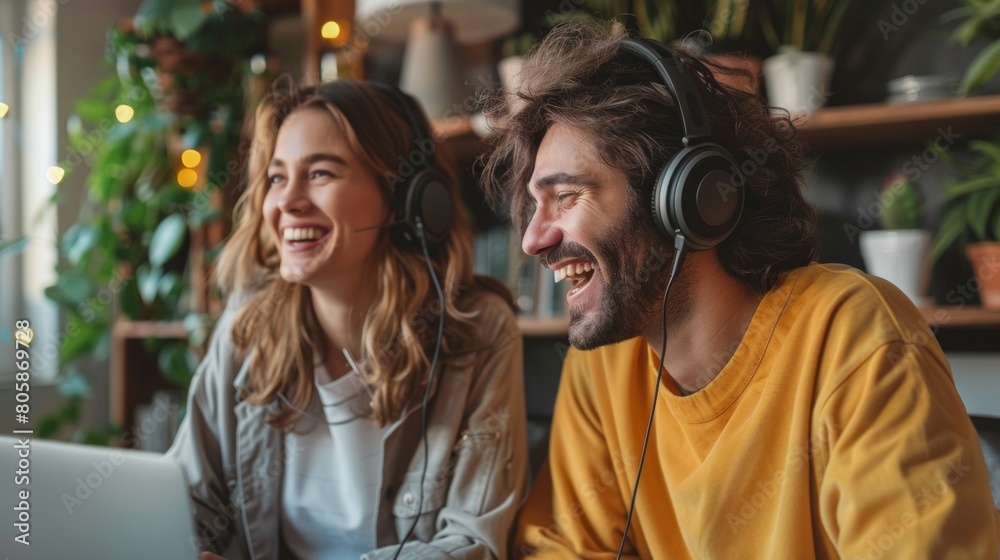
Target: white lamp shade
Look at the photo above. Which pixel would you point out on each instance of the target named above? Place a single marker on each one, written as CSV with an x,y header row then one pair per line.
x,y
473,21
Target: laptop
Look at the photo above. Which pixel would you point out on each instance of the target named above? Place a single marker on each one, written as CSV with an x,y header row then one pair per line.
x,y
61,500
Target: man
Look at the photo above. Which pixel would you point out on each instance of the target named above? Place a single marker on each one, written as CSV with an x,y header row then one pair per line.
x,y
806,410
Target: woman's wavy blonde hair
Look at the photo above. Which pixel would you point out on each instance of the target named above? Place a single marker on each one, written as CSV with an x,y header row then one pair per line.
x,y
277,327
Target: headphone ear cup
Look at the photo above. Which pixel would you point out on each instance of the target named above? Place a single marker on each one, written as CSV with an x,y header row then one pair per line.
x,y
425,196
700,193
661,204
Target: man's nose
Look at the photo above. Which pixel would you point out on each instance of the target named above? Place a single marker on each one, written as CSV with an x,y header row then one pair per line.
x,y
541,235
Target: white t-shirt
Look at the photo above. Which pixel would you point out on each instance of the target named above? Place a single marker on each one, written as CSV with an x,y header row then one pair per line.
x,y
329,493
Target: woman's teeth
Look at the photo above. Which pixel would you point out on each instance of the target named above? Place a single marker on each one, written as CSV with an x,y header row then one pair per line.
x,y
573,270
302,234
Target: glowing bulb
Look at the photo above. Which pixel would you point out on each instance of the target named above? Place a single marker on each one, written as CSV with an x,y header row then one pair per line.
x,y
55,174
3,109
124,113
331,30
258,64
191,158
187,178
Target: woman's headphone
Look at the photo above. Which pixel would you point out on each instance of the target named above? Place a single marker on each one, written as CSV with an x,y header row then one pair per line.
x,y
696,193
421,199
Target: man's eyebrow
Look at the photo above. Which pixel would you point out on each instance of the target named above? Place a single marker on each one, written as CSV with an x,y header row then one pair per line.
x,y
562,178
312,158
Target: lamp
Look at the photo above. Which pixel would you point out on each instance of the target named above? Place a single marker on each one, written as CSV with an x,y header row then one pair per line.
x,y
431,29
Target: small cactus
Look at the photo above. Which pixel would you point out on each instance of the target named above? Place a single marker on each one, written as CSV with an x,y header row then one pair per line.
x,y
903,206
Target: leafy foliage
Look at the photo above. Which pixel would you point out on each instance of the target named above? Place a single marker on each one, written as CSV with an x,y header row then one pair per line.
x,y
806,25
726,20
128,249
981,21
973,206
12,247
903,204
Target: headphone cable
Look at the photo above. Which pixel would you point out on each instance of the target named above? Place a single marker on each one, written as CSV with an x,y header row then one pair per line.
x,y
430,381
674,269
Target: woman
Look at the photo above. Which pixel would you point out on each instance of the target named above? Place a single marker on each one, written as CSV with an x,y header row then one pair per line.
x,y
305,434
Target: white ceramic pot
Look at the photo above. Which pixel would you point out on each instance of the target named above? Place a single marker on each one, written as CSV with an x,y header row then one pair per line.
x,y
797,80
901,257
508,67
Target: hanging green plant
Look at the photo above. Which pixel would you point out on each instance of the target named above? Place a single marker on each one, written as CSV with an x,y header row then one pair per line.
x,y
127,254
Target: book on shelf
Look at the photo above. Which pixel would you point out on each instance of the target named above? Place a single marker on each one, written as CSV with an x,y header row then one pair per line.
x,y
490,250
497,253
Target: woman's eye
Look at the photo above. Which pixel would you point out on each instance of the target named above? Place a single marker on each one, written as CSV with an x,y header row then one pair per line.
x,y
275,179
321,173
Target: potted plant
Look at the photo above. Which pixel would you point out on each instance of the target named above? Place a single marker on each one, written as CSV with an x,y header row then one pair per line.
x,y
982,21
730,25
898,252
717,30
801,35
972,217
514,49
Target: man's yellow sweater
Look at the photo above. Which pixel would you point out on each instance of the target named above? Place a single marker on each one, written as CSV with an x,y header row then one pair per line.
x,y
834,431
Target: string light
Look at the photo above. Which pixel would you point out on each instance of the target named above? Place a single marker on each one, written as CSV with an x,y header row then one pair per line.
x,y
55,174
191,158
331,30
258,64
187,178
124,113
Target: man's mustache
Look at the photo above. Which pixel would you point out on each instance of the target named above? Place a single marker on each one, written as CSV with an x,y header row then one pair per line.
x,y
566,251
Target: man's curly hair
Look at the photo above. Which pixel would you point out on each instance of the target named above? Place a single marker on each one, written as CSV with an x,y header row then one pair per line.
x,y
578,77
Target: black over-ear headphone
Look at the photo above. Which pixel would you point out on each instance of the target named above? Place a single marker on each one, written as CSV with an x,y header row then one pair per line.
x,y
421,198
699,191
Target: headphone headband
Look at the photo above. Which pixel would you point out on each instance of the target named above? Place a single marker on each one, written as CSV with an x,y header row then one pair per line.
x,y
420,136
424,210
678,81
695,194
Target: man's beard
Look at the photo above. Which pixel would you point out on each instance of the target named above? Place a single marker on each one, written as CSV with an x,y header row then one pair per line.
x,y
636,266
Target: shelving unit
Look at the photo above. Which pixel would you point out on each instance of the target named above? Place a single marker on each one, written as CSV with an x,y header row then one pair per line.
x,y
135,376
852,126
458,135
961,317
883,125
833,128
454,128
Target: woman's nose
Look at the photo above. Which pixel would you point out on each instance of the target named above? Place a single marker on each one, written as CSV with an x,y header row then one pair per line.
x,y
294,198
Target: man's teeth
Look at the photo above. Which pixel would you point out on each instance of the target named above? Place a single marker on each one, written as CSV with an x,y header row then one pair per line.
x,y
573,270
303,234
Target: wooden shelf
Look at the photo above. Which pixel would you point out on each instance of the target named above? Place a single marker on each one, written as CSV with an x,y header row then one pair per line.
x,y
882,124
150,329
832,128
134,376
961,316
534,326
453,128
461,140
